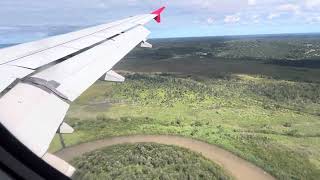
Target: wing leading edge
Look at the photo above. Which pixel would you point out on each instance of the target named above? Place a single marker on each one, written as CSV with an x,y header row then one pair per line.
x,y
41,78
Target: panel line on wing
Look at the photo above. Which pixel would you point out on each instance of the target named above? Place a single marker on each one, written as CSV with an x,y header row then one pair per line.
x,y
66,57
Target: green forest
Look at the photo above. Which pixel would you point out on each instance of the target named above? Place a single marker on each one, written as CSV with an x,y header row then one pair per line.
x,y
146,161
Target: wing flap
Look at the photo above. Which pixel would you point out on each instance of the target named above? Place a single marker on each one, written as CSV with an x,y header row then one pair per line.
x,y
78,73
33,115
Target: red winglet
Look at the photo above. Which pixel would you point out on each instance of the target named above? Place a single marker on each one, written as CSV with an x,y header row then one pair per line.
x,y
158,13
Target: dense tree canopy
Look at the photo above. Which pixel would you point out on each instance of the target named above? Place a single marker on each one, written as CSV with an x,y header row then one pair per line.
x,y
146,161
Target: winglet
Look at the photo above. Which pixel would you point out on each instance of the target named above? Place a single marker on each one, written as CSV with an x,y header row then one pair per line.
x,y
158,13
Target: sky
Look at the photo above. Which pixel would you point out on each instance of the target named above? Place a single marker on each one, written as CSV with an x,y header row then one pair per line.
x,y
26,20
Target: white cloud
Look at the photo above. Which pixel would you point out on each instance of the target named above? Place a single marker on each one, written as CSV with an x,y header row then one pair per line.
x,y
102,5
291,13
230,19
252,2
313,20
216,6
311,4
289,8
273,15
255,19
8,28
284,9
210,20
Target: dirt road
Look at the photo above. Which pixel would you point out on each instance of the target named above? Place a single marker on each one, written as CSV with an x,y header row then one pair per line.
x,y
237,167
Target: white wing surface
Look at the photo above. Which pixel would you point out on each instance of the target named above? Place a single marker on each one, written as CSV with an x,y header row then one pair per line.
x,y
39,79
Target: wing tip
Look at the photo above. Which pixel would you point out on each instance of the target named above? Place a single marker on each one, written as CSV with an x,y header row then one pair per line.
x,y
158,13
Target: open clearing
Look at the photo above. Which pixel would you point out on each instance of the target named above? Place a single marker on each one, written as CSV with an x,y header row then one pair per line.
x,y
236,166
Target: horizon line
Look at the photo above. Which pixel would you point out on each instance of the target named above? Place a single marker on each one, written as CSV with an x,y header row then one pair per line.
x,y
239,35
181,37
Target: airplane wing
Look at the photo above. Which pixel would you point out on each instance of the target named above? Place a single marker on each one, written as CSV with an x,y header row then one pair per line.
x,y
40,79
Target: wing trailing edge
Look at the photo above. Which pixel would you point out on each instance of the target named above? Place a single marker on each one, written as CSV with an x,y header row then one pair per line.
x,y
59,164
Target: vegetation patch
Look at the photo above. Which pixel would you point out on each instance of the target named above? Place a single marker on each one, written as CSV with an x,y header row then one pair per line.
x,y
146,161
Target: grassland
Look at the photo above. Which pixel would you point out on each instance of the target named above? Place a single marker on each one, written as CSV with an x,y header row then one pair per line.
x,y
146,161
261,111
